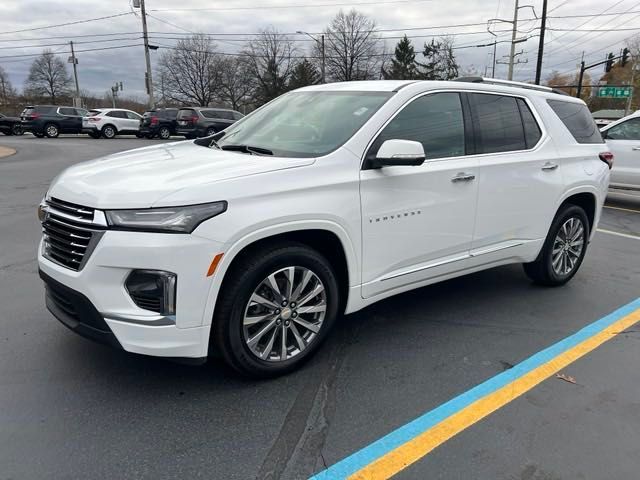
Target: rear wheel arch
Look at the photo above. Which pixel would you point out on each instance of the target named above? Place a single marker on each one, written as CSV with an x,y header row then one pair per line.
x,y
585,200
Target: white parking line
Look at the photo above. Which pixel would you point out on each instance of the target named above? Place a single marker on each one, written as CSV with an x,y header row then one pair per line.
x,y
622,209
625,235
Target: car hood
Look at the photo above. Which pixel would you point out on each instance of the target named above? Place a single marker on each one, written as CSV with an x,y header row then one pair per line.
x,y
140,178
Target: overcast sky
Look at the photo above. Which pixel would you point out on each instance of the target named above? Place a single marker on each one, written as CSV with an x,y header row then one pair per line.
x,y
98,70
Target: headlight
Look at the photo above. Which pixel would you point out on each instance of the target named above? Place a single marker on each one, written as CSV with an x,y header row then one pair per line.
x,y
165,219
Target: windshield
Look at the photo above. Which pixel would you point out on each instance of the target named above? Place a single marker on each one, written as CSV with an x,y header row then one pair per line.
x,y
305,124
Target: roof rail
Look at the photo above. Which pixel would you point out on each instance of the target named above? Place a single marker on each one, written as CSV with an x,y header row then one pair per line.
x,y
509,83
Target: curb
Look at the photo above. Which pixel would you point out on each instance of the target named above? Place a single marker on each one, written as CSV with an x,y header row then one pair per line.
x,y
6,151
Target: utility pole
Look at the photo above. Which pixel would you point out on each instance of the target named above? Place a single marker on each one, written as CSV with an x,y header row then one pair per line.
x,y
145,36
72,59
543,25
514,32
114,92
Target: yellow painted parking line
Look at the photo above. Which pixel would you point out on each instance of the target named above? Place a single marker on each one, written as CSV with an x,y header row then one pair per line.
x,y
411,442
622,209
618,234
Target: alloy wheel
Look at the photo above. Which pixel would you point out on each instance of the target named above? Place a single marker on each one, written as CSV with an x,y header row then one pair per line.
x,y
567,246
52,131
284,314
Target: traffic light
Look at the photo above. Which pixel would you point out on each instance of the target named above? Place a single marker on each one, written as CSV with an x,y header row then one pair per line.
x,y
609,65
625,57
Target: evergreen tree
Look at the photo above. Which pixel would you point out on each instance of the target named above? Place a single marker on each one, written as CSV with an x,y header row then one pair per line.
x,y
440,61
403,65
304,73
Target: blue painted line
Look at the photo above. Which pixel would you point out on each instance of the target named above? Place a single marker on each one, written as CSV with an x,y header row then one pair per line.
x,y
360,459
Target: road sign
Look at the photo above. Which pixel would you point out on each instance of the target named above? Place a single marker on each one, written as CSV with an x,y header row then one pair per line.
x,y
614,92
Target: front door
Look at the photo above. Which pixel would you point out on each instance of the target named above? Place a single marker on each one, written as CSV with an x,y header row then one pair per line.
x,y
417,222
623,140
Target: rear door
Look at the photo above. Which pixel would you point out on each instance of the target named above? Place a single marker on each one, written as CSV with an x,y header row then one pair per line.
x,y
623,140
187,118
417,222
519,180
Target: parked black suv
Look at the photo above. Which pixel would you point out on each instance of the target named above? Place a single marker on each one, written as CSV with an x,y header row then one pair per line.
x,y
203,121
10,125
160,122
51,120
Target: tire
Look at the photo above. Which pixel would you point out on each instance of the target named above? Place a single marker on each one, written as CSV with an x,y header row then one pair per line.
x,y
109,131
559,260
16,129
231,337
51,130
210,131
164,133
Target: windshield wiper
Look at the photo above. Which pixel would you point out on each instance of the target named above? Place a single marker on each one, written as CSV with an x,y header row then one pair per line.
x,y
247,149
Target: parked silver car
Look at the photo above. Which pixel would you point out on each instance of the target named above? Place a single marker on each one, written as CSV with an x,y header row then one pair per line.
x,y
623,139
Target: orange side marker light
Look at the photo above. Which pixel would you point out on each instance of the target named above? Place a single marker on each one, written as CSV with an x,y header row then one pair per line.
x,y
214,264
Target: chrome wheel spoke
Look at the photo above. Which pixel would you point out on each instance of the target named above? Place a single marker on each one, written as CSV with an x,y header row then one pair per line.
x,y
312,309
290,274
256,338
283,344
299,340
317,290
254,319
309,326
270,281
568,246
269,346
260,300
301,286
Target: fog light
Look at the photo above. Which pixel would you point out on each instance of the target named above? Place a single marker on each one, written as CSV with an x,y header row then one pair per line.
x,y
153,290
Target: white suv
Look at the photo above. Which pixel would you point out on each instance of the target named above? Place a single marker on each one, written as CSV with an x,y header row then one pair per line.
x,y
109,122
623,139
253,241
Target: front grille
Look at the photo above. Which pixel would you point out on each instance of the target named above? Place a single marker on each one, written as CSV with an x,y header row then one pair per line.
x,y
69,235
147,302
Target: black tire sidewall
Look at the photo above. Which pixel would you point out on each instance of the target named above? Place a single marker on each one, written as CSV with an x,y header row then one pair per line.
x,y
567,213
228,322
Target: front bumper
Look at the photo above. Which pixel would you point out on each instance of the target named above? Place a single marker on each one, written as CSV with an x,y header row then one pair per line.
x,y
90,129
100,307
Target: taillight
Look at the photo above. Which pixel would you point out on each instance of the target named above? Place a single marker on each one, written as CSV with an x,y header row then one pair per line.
x,y
194,119
155,120
93,119
607,157
34,116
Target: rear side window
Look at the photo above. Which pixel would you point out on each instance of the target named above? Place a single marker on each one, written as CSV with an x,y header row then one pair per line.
x,y
578,120
67,111
532,131
226,115
186,113
169,114
497,122
117,114
434,120
44,110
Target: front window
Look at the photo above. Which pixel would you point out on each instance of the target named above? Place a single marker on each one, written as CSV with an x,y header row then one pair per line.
x,y
305,124
628,130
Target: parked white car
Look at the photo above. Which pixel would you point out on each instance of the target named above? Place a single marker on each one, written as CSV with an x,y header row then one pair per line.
x,y
623,139
109,122
327,199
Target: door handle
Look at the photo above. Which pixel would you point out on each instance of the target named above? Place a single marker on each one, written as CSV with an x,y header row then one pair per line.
x,y
549,166
463,177
635,148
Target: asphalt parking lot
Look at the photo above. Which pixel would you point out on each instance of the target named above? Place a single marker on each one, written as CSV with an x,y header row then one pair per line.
x,y
72,409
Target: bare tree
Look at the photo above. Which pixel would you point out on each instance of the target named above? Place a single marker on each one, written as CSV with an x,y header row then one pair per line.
x,y
270,62
236,82
190,73
7,92
48,77
353,51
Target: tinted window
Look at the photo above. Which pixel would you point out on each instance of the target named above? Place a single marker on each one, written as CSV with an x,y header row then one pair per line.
x,y
237,115
498,124
628,130
209,113
187,113
81,111
224,114
434,120
117,114
532,131
44,110
169,114
578,120
67,111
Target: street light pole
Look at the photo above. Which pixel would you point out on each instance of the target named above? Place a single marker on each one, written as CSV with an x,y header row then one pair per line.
x,y
321,44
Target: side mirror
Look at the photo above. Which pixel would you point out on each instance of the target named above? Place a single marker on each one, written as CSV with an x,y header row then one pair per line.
x,y
398,153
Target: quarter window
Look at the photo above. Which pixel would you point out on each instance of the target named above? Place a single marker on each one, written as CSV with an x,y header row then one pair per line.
x,y
532,131
67,111
132,116
578,120
628,130
498,124
434,120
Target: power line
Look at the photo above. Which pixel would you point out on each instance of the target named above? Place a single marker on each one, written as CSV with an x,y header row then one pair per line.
x,y
27,55
67,23
274,7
